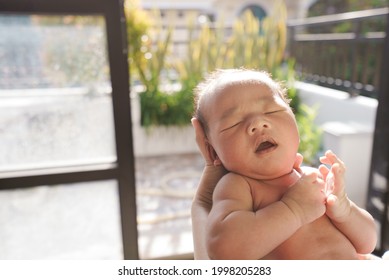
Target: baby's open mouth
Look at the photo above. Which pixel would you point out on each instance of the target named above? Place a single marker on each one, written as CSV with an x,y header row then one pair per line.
x,y
266,146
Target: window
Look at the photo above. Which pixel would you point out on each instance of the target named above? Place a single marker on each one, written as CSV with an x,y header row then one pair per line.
x,y
66,130
257,11
55,87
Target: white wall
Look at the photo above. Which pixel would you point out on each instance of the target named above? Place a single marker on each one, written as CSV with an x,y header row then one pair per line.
x,y
337,106
348,129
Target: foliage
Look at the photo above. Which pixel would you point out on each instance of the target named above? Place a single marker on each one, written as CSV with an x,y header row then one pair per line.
x,y
310,134
148,47
252,44
138,25
158,108
155,49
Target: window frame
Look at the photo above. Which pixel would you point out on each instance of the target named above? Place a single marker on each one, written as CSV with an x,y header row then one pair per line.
x,y
123,170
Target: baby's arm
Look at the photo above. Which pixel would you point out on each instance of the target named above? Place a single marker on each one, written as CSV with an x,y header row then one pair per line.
x,y
236,231
356,223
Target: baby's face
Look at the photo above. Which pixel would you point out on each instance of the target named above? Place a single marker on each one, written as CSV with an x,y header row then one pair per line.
x,y
253,131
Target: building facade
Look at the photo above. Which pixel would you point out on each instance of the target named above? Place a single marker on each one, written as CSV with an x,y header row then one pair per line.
x,y
227,9
179,14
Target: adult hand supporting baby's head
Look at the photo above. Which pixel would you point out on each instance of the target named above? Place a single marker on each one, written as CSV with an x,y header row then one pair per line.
x,y
202,202
212,173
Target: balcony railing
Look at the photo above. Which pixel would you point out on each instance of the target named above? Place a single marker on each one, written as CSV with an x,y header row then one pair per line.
x,y
349,61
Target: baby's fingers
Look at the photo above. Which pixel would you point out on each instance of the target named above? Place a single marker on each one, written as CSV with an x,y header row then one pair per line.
x,y
330,158
338,171
324,171
331,200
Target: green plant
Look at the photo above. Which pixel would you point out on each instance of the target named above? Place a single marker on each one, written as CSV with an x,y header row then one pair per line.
x,y
149,45
252,44
310,134
158,108
138,26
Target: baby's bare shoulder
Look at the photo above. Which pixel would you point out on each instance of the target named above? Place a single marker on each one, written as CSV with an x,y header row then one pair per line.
x,y
232,177
232,184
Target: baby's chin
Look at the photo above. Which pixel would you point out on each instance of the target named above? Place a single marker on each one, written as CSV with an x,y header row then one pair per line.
x,y
271,175
288,179
271,171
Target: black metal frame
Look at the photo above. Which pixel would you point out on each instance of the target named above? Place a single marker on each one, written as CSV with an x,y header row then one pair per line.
x,y
124,169
378,195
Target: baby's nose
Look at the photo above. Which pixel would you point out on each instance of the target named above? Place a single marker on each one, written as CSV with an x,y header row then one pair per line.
x,y
258,124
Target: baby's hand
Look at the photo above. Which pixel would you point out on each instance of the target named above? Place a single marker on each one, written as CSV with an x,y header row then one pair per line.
x,y
306,198
338,204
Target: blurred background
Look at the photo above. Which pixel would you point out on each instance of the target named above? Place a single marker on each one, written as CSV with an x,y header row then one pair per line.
x,y
97,156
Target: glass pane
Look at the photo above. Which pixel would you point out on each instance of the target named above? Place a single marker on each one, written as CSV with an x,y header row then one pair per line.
x,y
78,221
55,92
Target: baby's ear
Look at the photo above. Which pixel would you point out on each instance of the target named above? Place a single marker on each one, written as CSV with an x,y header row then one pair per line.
x,y
213,155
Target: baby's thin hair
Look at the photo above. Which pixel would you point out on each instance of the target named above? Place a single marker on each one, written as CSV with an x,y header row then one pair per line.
x,y
221,79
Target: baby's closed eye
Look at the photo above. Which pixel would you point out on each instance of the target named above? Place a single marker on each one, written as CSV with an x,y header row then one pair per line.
x,y
231,126
272,111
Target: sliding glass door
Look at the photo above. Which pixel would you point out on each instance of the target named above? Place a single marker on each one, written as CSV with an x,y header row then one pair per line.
x,y
67,187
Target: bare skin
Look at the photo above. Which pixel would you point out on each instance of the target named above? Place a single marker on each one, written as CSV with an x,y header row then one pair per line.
x,y
281,231
266,207
305,243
